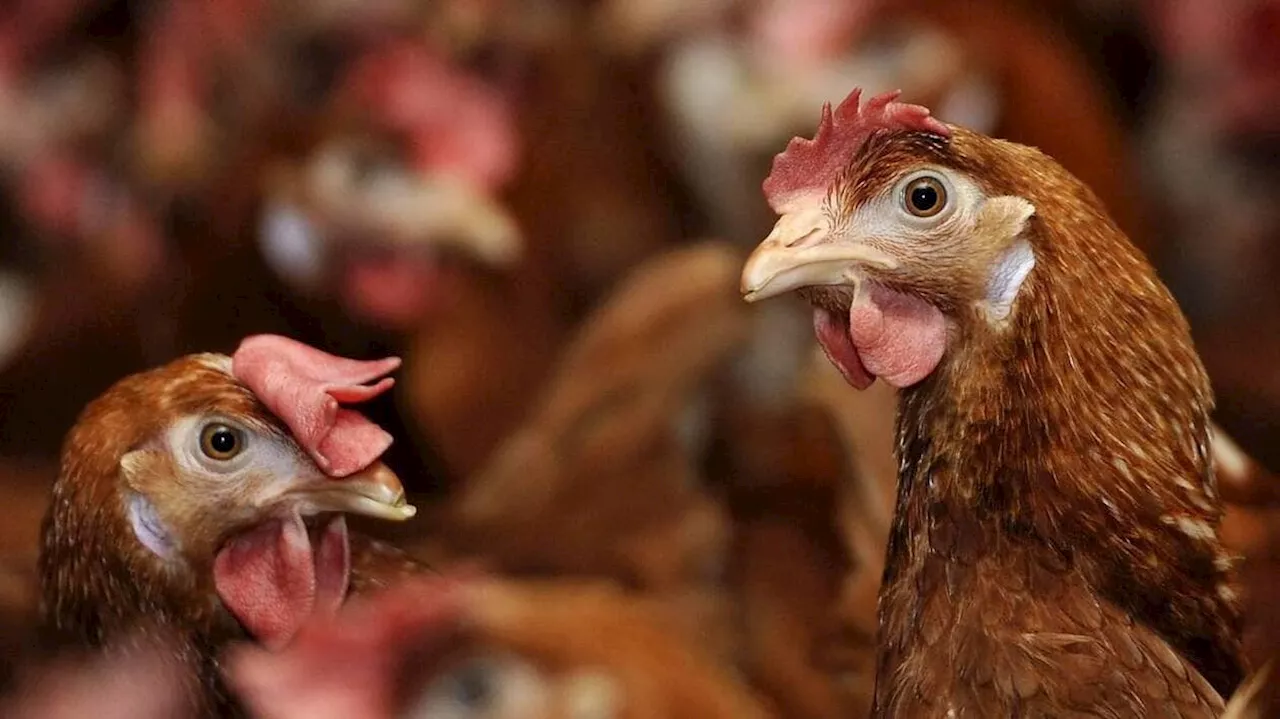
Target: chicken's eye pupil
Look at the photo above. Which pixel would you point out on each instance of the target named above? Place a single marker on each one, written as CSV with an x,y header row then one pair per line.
x,y
473,686
219,441
223,442
926,196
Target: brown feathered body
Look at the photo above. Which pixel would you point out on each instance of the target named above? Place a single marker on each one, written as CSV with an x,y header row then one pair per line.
x,y
1054,546
100,585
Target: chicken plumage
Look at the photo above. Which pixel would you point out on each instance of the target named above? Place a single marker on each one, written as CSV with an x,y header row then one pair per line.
x,y
1054,547
601,480
204,499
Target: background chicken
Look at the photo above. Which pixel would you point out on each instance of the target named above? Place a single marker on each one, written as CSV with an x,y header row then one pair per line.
x,y
199,499
607,463
1052,542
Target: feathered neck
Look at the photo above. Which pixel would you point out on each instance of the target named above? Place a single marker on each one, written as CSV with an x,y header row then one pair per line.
x,y
99,586
1081,428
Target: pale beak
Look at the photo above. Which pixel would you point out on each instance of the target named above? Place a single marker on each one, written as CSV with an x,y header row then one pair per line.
x,y
410,208
373,492
800,253
444,213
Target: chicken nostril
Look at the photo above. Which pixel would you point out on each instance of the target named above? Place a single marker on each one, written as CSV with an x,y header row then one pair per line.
x,y
803,240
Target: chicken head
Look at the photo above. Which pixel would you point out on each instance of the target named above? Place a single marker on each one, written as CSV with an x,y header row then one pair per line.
x,y
214,489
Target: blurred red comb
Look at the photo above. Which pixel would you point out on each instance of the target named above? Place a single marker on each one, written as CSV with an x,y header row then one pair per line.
x,y
455,122
809,166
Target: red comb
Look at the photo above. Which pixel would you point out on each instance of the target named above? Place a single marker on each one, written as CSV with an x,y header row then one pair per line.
x,y
304,386
453,122
809,166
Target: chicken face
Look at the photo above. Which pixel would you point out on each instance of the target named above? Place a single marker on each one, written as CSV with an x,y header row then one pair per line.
x,y
244,470
235,487
898,249
216,481
403,188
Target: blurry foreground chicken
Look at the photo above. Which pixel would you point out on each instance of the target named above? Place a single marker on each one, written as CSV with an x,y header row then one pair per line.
x,y
491,649
1054,547
205,497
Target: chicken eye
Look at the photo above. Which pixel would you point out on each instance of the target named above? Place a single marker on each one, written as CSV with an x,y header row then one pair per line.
x,y
925,196
483,686
220,442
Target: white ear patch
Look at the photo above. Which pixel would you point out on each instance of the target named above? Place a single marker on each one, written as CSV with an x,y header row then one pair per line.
x,y
1007,217
148,527
1006,279
291,244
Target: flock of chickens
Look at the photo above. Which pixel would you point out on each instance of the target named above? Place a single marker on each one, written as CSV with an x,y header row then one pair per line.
x,y
490,436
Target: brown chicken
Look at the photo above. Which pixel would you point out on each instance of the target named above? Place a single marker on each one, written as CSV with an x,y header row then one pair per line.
x,y
395,215
493,649
204,498
1054,547
601,481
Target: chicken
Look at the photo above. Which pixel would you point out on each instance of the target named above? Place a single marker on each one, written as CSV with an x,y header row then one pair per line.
x,y
204,498
601,480
395,217
1054,545
492,649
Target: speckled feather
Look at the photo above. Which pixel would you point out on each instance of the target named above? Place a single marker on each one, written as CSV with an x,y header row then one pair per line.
x,y
98,582
1054,547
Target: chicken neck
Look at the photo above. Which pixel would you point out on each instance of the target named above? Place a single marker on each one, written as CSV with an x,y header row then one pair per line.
x,y
1057,465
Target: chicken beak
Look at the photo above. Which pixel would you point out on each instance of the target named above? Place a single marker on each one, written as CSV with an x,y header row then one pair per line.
x,y
373,492
800,252
448,214
413,208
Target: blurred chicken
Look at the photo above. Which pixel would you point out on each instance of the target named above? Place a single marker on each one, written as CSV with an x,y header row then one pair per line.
x,y
603,478
1006,539
393,218
82,250
203,498
492,649
829,651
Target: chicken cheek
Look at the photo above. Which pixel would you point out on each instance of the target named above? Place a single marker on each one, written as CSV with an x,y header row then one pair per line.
x,y
272,578
899,338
